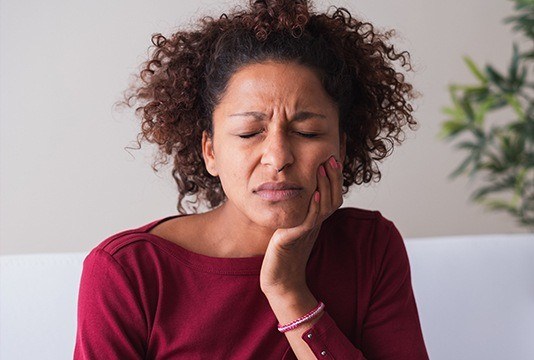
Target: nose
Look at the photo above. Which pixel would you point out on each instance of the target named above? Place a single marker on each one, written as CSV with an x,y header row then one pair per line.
x,y
277,152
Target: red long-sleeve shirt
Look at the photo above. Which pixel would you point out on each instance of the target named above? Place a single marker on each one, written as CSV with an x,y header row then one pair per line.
x,y
144,297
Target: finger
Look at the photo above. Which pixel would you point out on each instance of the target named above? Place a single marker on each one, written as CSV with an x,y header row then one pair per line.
x,y
311,218
323,185
335,175
287,237
313,213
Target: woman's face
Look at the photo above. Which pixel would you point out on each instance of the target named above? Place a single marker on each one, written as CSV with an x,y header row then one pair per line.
x,y
272,116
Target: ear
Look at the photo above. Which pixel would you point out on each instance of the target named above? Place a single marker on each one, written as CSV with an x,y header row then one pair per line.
x,y
208,154
342,147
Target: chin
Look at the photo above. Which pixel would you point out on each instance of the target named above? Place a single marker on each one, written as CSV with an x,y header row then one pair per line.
x,y
281,218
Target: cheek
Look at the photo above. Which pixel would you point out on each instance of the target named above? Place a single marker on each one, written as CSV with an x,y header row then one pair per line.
x,y
319,158
233,173
309,172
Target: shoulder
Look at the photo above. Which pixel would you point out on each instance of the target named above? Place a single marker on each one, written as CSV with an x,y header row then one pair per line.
x,y
356,213
352,218
128,238
373,231
130,248
367,236
364,231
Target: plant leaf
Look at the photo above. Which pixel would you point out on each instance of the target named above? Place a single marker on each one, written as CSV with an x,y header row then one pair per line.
x,y
462,168
496,78
451,128
512,71
475,70
505,184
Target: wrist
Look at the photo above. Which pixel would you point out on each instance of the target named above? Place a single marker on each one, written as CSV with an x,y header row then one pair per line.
x,y
286,292
308,318
288,306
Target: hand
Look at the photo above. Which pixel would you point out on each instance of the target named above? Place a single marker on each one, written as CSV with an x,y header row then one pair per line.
x,y
284,266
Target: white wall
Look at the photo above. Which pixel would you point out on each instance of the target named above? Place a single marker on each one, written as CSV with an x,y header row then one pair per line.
x,y
67,183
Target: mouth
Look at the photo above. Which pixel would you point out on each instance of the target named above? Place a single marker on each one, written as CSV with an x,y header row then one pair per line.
x,y
278,191
278,195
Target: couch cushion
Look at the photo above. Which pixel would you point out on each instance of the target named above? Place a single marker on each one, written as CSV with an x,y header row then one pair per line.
x,y
38,294
475,295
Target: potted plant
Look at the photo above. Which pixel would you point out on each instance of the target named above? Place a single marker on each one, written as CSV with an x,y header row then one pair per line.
x,y
501,155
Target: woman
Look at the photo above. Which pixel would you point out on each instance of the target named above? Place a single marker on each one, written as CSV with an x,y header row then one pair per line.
x,y
269,115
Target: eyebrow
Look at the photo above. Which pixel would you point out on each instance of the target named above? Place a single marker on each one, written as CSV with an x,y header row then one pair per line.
x,y
301,116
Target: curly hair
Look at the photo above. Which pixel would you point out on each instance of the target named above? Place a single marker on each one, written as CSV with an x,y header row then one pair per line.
x,y
187,73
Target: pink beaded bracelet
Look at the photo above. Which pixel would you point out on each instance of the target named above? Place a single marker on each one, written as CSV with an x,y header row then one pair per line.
x,y
311,315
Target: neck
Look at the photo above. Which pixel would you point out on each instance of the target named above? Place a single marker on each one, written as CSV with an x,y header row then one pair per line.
x,y
236,234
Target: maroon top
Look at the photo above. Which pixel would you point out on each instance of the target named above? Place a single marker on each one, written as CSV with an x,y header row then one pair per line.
x,y
144,297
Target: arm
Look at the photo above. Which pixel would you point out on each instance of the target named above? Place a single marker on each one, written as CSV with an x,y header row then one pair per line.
x,y
110,324
319,338
391,327
283,272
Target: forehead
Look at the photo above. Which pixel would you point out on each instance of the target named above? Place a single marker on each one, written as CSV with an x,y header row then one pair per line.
x,y
275,83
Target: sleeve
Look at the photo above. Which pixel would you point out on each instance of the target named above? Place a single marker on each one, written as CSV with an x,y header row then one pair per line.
x,y
391,328
111,324
327,341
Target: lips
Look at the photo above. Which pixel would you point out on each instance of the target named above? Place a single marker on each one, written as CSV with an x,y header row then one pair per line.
x,y
278,191
278,186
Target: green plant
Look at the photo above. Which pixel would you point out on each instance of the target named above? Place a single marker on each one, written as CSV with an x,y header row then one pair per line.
x,y
502,155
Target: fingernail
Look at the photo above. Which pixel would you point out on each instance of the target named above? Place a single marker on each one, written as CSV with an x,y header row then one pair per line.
x,y
322,170
333,162
316,196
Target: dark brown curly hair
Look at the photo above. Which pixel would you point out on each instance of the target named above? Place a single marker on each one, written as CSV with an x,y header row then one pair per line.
x,y
187,74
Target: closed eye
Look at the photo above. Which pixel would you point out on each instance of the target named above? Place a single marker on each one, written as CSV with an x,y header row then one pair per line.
x,y
306,135
247,136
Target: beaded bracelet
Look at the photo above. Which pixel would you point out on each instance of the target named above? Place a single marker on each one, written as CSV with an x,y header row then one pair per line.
x,y
311,315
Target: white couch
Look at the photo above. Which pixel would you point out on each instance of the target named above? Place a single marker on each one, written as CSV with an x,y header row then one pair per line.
x,y
475,296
